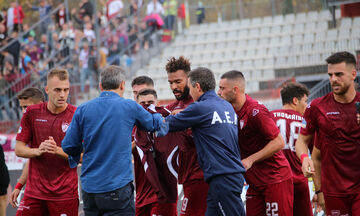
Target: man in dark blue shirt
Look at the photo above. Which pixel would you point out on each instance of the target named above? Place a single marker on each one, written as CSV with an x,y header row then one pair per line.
x,y
214,125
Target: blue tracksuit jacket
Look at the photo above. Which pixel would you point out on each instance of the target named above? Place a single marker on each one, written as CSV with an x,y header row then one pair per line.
x,y
214,126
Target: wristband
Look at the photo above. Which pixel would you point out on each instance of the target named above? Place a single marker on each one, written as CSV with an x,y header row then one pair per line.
x,y
19,186
318,191
303,156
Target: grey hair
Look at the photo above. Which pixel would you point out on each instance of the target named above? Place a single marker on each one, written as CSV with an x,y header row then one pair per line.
x,y
111,77
204,76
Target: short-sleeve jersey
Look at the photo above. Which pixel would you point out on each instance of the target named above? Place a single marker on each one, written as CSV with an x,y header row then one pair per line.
x,y
289,123
189,168
50,176
335,125
256,129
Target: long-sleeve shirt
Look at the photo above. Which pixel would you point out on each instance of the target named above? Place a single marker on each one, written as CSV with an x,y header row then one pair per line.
x,y
214,125
101,128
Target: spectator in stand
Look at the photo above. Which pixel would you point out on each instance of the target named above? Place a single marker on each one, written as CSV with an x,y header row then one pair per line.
x,y
44,9
60,17
113,8
89,33
10,18
44,46
85,72
18,16
133,7
14,48
3,35
200,13
25,59
170,7
85,9
114,50
4,98
3,16
154,7
28,32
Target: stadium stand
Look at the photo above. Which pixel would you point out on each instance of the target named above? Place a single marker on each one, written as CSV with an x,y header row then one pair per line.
x,y
267,48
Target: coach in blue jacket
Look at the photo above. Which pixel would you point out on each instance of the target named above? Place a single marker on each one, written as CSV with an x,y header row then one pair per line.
x,y
214,126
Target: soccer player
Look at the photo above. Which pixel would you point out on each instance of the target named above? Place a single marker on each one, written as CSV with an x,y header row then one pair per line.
x,y
190,174
52,186
27,97
333,118
146,199
268,172
214,127
139,83
288,119
102,129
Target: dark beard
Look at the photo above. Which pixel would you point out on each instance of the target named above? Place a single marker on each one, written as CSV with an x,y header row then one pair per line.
x,y
343,90
184,95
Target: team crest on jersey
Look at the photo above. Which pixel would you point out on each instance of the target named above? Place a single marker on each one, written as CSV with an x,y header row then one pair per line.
x,y
64,126
255,112
241,122
303,123
20,129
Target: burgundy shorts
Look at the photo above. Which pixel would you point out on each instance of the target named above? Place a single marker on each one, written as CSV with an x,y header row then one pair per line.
x,y
348,205
31,206
194,202
273,199
302,203
157,209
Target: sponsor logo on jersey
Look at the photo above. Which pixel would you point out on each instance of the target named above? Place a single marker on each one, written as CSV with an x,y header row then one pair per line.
x,y
255,112
64,126
20,129
41,120
333,113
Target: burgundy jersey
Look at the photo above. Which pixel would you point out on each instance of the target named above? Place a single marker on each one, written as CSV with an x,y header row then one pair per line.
x,y
145,194
256,129
50,176
289,123
155,172
336,126
189,168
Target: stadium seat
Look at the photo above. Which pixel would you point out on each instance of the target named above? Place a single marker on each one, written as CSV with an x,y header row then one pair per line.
x,y
265,32
245,23
331,35
299,28
312,16
285,40
310,27
256,22
267,21
232,35
280,62
322,26
289,19
297,39
300,18
324,15
355,32
278,20
356,22
344,33
287,29
276,31
345,23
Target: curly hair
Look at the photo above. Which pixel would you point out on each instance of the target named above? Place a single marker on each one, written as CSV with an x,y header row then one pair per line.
x,y
181,63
